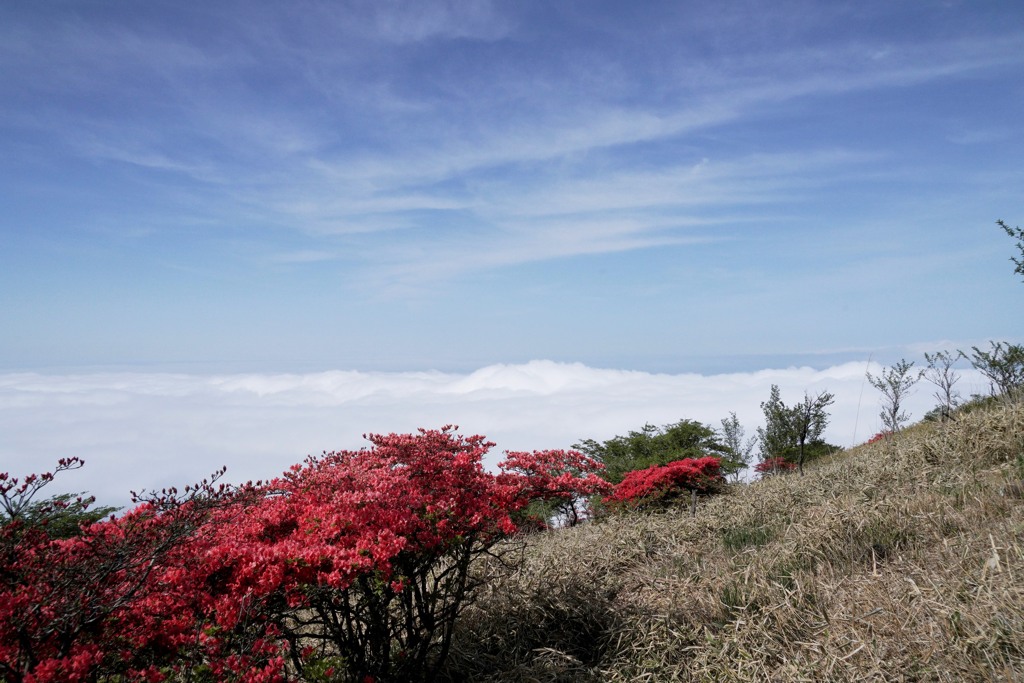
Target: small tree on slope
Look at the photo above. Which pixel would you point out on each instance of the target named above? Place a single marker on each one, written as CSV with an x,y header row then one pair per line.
x,y
1003,366
790,432
940,372
895,384
732,438
809,421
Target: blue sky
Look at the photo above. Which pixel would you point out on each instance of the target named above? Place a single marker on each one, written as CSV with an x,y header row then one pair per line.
x,y
678,189
400,186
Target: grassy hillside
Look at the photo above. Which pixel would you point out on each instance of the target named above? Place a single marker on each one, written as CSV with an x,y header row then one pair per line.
x,y
902,560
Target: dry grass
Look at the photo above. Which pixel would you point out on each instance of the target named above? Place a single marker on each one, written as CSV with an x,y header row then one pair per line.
x,y
899,561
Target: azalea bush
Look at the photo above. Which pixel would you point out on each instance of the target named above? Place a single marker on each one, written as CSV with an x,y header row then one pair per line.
x,y
560,483
771,466
352,566
663,485
98,603
364,556
879,437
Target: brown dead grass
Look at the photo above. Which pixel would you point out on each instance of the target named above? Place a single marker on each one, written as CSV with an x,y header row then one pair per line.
x,y
899,561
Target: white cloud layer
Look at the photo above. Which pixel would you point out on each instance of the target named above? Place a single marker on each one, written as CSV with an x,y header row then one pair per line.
x,y
139,431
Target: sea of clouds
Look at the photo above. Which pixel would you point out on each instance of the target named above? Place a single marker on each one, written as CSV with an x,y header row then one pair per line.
x,y
149,430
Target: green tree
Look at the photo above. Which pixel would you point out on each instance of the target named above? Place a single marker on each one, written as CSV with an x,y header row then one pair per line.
x,y
809,422
1018,234
777,436
741,451
895,384
794,433
651,445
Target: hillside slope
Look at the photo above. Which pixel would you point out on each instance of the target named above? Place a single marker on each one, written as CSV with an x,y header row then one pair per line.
x,y
897,561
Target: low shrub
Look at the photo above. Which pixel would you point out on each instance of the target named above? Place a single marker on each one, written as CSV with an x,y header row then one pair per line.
x,y
771,466
663,485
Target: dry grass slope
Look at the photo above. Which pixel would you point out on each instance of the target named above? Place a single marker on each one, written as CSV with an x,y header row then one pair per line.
x,y
899,561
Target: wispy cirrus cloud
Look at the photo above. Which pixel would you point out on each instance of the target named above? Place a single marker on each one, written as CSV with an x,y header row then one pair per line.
x,y
562,154
447,19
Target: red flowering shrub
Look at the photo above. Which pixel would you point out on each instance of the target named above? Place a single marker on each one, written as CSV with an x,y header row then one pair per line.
x,y
96,604
352,566
369,550
661,485
565,478
374,548
772,466
879,437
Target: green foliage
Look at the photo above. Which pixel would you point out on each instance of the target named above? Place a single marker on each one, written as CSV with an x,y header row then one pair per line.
x,y
809,421
325,670
62,516
794,432
813,450
978,402
1018,234
777,436
653,445
740,451
536,516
